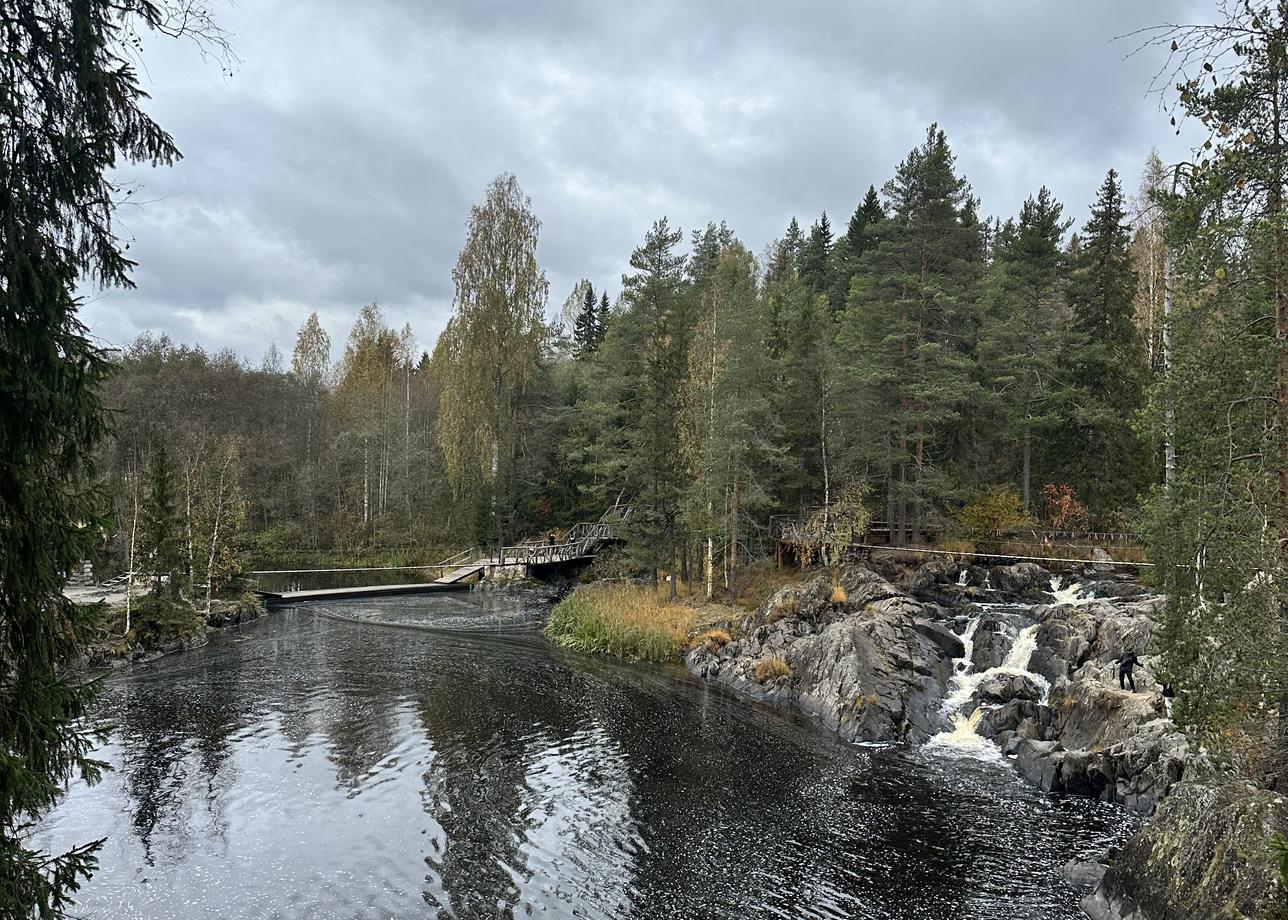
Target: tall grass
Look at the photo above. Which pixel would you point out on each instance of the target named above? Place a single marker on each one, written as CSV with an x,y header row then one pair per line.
x,y
622,621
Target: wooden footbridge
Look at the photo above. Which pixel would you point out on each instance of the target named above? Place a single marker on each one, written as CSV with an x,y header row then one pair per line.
x,y
460,572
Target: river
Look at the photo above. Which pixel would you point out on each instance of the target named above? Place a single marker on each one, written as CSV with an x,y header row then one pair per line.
x,y
436,756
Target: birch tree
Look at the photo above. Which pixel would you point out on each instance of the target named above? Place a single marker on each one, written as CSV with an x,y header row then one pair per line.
x,y
489,354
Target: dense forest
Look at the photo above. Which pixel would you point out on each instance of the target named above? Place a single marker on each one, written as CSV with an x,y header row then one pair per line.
x,y
951,373
921,362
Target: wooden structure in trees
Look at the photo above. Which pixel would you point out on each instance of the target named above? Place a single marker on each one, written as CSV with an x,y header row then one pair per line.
x,y
578,546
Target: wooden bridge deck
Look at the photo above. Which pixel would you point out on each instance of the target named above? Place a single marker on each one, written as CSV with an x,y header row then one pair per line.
x,y
580,545
321,594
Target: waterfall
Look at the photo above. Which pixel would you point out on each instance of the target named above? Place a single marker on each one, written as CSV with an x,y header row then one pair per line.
x,y
1071,595
962,579
1022,649
964,737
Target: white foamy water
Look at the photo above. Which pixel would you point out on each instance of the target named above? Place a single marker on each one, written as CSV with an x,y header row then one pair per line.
x,y
1071,595
964,737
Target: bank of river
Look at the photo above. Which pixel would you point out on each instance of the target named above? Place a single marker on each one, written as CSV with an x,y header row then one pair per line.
x,y
317,763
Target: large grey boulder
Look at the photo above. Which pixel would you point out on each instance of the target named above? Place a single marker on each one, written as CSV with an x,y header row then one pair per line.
x,y
994,636
873,667
1025,581
1004,686
1206,853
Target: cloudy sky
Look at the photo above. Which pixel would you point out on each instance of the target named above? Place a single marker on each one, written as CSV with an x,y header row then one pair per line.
x,y
337,164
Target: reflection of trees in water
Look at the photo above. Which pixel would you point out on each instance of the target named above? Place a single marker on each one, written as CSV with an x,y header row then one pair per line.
x,y
480,726
489,715
174,732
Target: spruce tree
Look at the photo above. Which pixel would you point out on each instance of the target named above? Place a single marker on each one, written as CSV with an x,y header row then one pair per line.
x,y
69,114
814,263
601,318
1104,457
1024,332
161,534
586,330
860,236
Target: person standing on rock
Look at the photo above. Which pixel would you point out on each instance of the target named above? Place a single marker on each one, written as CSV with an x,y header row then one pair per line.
x,y
1125,665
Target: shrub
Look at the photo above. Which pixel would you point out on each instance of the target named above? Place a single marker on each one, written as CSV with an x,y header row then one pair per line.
x,y
622,621
1061,509
829,531
838,594
713,639
992,514
771,668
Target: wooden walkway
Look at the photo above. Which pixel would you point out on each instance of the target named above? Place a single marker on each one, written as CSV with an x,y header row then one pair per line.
x,y
322,594
580,544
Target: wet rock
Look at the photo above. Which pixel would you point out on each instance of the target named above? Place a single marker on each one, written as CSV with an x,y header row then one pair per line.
x,y
993,639
1005,686
1039,762
1081,874
1020,717
873,667
1021,581
1206,853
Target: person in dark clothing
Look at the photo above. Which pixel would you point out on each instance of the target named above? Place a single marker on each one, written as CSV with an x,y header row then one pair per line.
x,y
1125,665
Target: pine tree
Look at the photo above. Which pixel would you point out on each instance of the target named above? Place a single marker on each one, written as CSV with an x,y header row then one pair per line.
x,y
901,341
635,403
1105,459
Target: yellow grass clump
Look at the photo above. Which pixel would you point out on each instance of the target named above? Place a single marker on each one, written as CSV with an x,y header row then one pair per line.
x,y
622,620
770,668
838,594
713,639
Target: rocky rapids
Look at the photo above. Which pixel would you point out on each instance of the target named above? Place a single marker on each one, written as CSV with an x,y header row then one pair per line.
x,y
1015,664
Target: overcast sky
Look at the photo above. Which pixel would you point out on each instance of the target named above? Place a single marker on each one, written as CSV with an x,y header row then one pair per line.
x,y
336,166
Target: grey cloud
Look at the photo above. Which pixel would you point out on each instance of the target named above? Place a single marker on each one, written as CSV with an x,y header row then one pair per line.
x,y
338,164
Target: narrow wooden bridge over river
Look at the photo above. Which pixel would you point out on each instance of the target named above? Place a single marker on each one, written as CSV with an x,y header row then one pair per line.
x,y
461,572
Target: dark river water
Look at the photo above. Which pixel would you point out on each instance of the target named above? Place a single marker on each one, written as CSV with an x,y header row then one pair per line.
x,y
435,756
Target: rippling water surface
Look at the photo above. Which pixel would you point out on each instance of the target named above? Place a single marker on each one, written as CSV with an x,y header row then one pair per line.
x,y
435,756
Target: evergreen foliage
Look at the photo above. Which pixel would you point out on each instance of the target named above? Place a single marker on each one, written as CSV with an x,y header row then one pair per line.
x,y
69,114
1104,457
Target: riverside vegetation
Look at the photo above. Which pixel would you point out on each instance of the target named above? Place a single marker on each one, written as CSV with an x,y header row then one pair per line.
x,y
953,373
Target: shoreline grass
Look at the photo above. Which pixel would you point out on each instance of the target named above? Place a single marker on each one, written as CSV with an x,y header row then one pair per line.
x,y
622,621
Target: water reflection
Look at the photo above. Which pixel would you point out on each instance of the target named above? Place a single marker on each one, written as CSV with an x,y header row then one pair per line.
x,y
435,757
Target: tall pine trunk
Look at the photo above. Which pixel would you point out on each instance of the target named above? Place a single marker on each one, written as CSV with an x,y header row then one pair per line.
x,y
1281,391
733,541
1025,473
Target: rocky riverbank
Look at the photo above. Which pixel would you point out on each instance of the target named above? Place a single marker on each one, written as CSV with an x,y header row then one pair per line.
x,y
1009,663
162,626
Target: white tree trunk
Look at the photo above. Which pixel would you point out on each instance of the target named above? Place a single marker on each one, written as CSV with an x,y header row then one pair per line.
x,y
129,576
214,535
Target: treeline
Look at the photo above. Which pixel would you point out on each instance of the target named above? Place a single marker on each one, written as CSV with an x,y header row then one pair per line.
x,y
923,361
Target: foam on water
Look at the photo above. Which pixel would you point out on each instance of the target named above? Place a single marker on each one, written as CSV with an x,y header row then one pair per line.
x,y
1070,596
964,737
